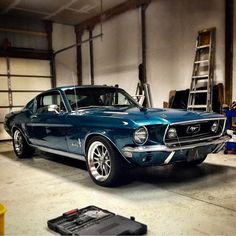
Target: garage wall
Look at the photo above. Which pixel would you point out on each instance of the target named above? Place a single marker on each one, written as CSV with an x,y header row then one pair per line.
x,y
172,27
63,36
21,84
117,55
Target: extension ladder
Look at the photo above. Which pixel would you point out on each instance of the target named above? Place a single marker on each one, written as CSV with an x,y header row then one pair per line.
x,y
201,88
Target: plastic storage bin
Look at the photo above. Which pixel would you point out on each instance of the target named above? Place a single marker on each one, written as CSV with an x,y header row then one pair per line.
x,y
231,144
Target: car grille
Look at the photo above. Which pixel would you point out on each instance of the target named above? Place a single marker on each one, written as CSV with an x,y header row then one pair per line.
x,y
201,131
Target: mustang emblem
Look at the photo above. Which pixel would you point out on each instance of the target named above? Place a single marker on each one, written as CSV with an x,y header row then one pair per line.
x,y
193,129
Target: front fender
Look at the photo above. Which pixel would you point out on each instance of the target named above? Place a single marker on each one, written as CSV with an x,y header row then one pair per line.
x,y
118,138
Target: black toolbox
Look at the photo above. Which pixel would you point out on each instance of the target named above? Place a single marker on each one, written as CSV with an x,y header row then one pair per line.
x,y
93,220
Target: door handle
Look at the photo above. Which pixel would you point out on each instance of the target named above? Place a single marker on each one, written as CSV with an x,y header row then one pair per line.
x,y
33,116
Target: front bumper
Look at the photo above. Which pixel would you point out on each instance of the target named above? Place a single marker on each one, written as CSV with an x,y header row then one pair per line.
x,y
162,154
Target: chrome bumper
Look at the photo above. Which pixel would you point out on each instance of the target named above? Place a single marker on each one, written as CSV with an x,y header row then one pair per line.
x,y
163,148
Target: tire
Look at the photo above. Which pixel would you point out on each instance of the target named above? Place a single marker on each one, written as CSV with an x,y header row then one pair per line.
x,y
21,147
105,165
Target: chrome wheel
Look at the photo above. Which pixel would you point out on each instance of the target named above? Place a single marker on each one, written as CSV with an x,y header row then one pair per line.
x,y
18,142
99,161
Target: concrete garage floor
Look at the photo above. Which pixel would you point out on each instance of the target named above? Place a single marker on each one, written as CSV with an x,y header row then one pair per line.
x,y
170,200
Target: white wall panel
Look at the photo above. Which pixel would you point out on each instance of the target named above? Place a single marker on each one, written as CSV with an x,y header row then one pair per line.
x,y
3,112
20,98
29,67
3,65
86,61
3,133
63,36
3,99
30,83
117,54
3,82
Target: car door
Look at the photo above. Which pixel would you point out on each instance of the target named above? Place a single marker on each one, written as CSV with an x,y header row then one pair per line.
x,y
48,125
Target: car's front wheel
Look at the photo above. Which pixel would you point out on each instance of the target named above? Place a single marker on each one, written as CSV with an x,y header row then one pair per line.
x,y
21,147
105,165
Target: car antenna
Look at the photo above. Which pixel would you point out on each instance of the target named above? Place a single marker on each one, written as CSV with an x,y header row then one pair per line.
x,y
76,105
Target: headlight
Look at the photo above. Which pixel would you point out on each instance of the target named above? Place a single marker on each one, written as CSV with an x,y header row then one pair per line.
x,y
215,127
172,133
141,135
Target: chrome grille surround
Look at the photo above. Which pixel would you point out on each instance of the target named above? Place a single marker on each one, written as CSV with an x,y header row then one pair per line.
x,y
196,137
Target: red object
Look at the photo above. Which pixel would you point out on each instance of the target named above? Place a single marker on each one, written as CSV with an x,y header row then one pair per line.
x,y
71,212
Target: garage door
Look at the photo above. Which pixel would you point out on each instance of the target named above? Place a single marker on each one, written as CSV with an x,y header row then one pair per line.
x,y
20,80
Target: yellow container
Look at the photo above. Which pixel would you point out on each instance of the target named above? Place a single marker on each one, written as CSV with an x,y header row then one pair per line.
x,y
2,213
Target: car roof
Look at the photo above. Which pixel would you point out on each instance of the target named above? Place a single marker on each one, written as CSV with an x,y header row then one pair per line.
x,y
63,88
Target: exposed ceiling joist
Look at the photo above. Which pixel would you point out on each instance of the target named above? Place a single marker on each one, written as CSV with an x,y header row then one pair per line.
x,y
12,5
60,9
121,8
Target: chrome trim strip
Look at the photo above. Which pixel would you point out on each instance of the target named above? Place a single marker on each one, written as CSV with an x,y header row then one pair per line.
x,y
168,159
193,121
47,125
58,152
164,148
192,140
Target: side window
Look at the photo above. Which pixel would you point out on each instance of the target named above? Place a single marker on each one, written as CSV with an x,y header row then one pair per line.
x,y
50,103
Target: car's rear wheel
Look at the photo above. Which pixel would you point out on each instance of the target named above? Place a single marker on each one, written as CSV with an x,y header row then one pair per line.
x,y
104,163
21,147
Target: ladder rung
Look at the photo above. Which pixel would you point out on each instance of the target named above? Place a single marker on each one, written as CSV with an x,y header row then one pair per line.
x,y
200,76
203,46
202,61
199,91
197,106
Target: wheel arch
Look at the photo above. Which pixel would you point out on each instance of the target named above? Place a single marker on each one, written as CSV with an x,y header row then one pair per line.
x,y
91,135
14,128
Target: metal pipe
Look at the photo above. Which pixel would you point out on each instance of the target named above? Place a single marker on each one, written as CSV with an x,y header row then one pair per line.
x,y
22,91
35,76
77,44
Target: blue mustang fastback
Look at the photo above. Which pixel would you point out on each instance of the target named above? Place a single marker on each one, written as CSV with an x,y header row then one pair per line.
x,y
108,129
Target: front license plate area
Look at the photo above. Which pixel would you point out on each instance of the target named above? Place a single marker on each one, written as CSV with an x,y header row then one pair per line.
x,y
195,154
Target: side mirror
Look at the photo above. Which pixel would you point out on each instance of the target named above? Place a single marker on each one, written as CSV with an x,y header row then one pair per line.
x,y
53,108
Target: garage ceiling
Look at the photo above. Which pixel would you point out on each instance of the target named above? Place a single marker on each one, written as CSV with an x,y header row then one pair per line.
x,y
69,12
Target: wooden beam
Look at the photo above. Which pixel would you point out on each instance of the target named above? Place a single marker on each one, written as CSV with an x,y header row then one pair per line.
x,y
229,15
29,54
49,29
108,14
91,56
143,36
79,57
32,33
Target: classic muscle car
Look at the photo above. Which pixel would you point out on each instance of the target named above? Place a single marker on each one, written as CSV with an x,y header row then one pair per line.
x,y
108,129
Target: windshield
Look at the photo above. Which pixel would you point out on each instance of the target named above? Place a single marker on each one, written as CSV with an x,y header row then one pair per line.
x,y
81,98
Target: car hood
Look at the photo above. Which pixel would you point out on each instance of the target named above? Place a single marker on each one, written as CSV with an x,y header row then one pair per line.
x,y
149,116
